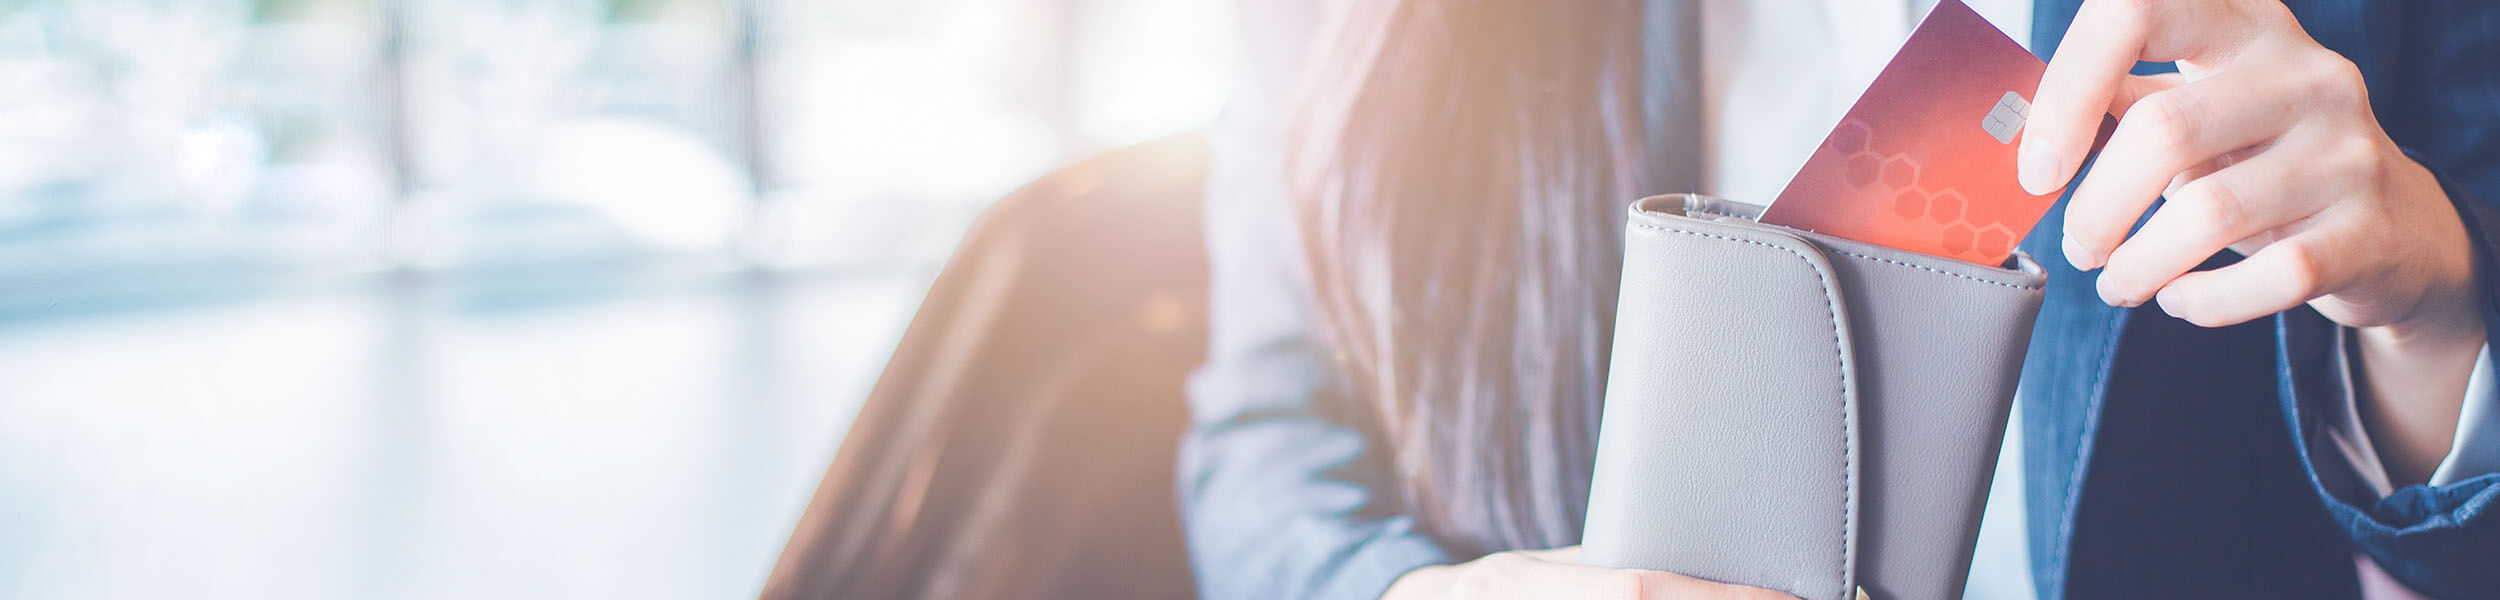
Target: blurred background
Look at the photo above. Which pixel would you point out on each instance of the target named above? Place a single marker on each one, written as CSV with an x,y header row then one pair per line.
x,y
497,298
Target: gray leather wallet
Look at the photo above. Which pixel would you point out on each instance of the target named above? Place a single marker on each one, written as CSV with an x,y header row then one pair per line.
x,y
1800,412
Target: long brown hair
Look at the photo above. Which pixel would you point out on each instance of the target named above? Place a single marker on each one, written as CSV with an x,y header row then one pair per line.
x,y
1459,172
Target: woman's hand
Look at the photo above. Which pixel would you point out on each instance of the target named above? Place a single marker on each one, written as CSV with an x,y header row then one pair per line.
x,y
2265,143
1558,573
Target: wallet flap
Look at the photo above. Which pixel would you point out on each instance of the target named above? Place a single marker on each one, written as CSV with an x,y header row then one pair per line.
x,y
1940,346
1728,445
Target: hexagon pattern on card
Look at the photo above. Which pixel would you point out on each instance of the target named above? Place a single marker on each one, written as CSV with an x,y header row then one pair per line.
x,y
1897,175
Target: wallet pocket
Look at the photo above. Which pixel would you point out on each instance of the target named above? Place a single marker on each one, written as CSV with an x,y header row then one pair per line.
x,y
1801,412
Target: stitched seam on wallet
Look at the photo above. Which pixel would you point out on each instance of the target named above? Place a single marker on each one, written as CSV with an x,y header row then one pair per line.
x,y
1935,270
1715,212
1848,476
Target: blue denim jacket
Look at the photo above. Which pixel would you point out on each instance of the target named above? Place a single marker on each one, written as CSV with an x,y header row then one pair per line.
x,y
2163,460
2167,460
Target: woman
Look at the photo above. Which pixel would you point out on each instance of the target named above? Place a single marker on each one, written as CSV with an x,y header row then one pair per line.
x,y
1415,273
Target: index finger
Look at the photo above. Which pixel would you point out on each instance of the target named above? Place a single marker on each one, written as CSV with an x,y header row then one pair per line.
x,y
2090,69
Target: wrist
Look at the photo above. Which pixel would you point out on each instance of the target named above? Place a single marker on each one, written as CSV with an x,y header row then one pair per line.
x,y
2408,395
2413,371
2412,378
2449,338
2448,315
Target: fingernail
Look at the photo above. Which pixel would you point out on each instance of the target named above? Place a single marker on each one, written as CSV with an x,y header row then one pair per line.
x,y
2169,303
2037,168
2109,293
2075,255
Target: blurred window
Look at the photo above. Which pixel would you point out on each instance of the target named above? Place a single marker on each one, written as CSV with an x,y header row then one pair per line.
x,y
180,148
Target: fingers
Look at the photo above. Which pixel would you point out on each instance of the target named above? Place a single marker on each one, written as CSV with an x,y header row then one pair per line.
x,y
1565,554
1661,585
2089,72
2087,75
2136,87
2320,245
2205,215
2237,149
2278,277
1558,573
2162,135
1541,572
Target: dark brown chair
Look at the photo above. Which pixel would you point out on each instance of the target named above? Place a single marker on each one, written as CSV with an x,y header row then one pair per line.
x,y
1020,443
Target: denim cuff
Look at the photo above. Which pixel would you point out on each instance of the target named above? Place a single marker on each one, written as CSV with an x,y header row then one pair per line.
x,y
2439,540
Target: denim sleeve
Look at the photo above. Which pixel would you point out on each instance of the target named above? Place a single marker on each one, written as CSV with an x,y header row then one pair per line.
x,y
2439,97
2441,540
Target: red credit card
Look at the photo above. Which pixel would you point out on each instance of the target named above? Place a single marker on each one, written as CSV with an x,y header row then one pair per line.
x,y
1925,160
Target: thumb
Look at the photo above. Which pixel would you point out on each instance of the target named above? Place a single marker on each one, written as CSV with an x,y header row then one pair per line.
x,y
1565,554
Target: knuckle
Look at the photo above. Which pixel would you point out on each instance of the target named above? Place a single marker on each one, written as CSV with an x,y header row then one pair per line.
x,y
1503,560
2358,158
2135,8
2301,269
2338,79
2215,204
2170,118
1484,574
1629,585
2273,11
